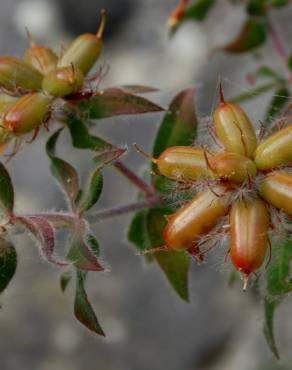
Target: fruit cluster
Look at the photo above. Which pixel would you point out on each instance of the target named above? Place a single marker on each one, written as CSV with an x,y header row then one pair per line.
x,y
241,188
30,86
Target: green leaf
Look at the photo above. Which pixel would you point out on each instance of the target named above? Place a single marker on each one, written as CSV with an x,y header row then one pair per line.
x,y
81,138
116,101
62,170
251,36
8,263
279,3
138,233
265,71
6,190
82,252
278,283
233,278
199,10
279,101
93,192
65,279
256,7
82,308
270,306
175,265
252,93
179,124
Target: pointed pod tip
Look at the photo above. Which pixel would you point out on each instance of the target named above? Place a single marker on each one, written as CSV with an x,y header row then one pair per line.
x,y
245,282
101,27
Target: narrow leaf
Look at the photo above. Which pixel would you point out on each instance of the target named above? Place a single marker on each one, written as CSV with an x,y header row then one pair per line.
x,y
6,190
279,3
270,307
81,253
252,93
8,263
138,233
82,308
63,171
81,138
43,232
115,102
179,123
199,10
278,283
290,62
265,71
65,279
93,192
175,265
278,103
251,36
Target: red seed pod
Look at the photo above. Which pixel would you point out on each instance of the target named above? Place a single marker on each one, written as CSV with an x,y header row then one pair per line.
x,y
182,163
276,150
28,113
63,81
276,188
249,225
196,218
41,58
84,50
234,129
233,167
15,74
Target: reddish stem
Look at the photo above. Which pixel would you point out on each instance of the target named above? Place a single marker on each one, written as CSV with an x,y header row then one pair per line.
x,y
148,190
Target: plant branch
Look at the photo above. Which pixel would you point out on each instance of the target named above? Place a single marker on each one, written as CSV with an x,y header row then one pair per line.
x,y
121,210
148,190
278,43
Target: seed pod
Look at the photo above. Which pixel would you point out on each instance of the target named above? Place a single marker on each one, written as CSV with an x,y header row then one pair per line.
x,y
41,58
182,162
16,74
234,129
63,81
196,218
84,50
276,150
276,188
249,225
232,167
28,113
6,101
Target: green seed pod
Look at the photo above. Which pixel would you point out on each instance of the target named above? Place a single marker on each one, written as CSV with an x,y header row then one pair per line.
x,y
234,128
41,58
63,81
28,113
16,74
6,101
84,50
275,150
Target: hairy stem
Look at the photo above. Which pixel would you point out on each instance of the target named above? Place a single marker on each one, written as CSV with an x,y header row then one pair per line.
x,y
148,190
127,208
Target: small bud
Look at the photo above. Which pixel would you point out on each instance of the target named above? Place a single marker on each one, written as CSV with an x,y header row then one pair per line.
x,y
41,58
84,50
28,113
15,74
63,81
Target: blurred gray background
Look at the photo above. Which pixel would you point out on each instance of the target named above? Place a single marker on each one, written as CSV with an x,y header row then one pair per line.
x,y
148,327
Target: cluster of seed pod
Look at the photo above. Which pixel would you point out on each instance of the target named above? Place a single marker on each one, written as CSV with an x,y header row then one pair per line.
x,y
244,183
30,86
